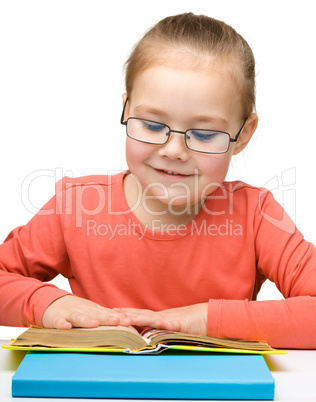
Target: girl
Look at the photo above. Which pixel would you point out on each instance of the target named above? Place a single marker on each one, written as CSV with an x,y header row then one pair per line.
x,y
169,243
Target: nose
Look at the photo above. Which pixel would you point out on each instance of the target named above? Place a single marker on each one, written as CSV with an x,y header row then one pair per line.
x,y
175,147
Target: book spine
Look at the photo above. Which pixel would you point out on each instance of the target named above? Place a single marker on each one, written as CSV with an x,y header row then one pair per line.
x,y
142,389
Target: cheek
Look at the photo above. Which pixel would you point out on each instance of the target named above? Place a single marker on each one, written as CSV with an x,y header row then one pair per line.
x,y
214,168
215,165
136,152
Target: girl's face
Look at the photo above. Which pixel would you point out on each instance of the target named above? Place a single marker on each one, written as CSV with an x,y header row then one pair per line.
x,y
182,98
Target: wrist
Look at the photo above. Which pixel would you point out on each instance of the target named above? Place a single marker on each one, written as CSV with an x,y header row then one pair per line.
x,y
213,317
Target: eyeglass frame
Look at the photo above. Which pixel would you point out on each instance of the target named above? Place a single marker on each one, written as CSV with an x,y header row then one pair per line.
x,y
124,122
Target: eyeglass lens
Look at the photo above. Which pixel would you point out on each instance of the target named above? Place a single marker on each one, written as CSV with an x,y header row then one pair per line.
x,y
157,133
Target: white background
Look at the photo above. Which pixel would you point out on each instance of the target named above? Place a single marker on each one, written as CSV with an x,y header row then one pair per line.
x,y
61,81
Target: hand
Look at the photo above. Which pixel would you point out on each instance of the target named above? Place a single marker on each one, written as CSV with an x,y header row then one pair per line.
x,y
189,319
71,311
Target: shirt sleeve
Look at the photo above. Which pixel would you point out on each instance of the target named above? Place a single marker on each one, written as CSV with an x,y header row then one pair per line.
x,y
284,257
30,256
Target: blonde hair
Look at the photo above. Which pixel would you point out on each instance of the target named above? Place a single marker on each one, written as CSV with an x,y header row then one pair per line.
x,y
194,35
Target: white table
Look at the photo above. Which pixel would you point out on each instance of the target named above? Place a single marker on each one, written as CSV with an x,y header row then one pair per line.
x,y
295,376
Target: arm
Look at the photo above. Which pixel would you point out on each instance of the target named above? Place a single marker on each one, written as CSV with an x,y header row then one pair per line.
x,y
285,258
31,254
36,253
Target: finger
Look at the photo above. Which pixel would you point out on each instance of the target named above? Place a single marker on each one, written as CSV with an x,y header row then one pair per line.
x,y
112,319
79,320
126,321
109,317
131,310
61,323
169,325
113,312
144,320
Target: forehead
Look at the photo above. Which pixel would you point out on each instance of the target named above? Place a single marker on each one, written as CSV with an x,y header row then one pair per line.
x,y
189,84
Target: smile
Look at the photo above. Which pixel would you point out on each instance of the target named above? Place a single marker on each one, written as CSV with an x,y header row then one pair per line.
x,y
170,173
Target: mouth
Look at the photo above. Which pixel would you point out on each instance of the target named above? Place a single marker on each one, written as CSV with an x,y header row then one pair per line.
x,y
172,174
169,172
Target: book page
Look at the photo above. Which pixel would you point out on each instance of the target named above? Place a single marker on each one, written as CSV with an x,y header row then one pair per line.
x,y
117,337
110,328
156,336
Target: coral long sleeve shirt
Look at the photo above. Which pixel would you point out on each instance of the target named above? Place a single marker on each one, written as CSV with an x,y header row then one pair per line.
x,y
240,237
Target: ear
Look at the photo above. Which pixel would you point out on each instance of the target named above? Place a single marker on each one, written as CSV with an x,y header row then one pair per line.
x,y
126,112
248,131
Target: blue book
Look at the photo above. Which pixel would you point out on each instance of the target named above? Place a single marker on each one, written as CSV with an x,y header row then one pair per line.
x,y
173,375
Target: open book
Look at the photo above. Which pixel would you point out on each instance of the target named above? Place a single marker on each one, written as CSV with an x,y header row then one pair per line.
x,y
129,340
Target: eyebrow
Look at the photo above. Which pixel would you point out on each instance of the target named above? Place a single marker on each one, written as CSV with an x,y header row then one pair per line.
x,y
151,110
157,112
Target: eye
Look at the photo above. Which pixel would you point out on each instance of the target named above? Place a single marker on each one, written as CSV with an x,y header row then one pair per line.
x,y
152,126
204,136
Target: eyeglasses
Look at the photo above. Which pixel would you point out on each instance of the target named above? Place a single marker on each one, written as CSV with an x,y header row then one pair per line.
x,y
198,140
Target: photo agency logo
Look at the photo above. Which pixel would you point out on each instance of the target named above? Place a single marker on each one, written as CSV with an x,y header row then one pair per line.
x,y
60,181
35,182
283,189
